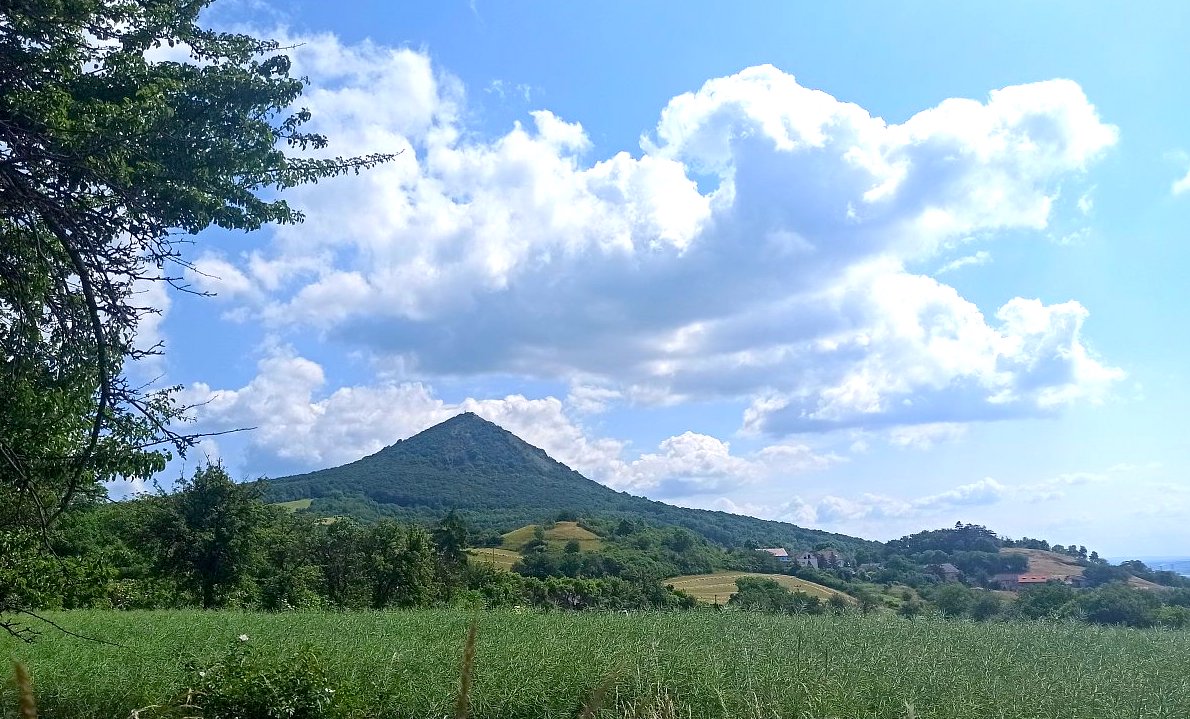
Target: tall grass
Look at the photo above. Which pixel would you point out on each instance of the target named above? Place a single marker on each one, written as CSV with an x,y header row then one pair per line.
x,y
729,665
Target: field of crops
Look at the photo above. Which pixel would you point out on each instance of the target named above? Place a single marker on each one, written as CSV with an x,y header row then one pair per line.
x,y
706,664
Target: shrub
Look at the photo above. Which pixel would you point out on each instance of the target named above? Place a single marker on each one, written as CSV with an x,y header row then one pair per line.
x,y
1119,604
247,685
985,606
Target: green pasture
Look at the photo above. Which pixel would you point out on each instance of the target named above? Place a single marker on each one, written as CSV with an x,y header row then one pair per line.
x,y
708,664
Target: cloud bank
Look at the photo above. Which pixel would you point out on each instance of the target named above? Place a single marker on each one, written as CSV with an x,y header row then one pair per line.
x,y
757,248
299,426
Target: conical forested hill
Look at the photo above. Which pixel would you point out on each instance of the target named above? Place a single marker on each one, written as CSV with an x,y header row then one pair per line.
x,y
500,482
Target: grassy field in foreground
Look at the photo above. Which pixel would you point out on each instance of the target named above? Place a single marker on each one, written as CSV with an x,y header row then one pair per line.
x,y
720,586
713,664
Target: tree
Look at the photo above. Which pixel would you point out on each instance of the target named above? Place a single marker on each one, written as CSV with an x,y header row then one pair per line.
x,y
985,606
910,608
1099,574
450,537
340,553
208,534
401,565
112,152
1046,601
1119,604
868,601
952,599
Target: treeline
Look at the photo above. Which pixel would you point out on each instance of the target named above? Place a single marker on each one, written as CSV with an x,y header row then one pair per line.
x,y
215,543
635,550
1112,604
910,577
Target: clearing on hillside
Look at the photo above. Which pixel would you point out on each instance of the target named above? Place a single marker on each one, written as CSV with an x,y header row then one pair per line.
x,y
1050,564
295,505
1053,564
720,586
499,558
556,536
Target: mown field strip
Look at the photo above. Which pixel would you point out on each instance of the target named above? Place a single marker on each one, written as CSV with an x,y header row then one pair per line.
x,y
717,588
500,558
715,664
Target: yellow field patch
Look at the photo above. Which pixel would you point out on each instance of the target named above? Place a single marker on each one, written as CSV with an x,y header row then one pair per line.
x,y
556,536
1058,566
720,586
499,558
1050,564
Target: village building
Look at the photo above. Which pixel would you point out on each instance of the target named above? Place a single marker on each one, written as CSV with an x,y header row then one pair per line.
x,y
780,553
1017,582
947,572
807,559
830,558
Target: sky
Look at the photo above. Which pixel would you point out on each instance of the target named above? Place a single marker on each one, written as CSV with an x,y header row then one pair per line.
x,y
871,268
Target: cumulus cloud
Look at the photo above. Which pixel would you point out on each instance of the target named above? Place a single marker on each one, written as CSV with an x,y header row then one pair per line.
x,y
881,512
1181,186
299,426
590,399
924,436
783,281
982,257
692,463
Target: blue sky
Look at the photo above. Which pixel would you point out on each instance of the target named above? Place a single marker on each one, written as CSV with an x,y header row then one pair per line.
x,y
872,268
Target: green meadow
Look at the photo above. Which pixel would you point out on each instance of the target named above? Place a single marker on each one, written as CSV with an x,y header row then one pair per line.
x,y
667,664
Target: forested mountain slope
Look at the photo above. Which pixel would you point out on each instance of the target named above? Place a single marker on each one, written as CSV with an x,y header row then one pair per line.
x,y
500,481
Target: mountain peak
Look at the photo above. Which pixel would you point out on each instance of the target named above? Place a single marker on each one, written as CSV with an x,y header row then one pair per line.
x,y
465,419
501,481
466,424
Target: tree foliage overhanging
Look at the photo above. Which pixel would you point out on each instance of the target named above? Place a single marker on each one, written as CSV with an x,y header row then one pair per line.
x,y
125,127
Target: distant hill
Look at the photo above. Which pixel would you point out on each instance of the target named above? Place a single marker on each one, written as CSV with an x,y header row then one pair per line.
x,y
501,482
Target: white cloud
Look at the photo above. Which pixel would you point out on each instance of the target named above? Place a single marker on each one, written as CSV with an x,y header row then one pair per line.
x,y
881,514
215,275
697,459
783,283
297,426
925,436
1181,186
982,257
589,399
